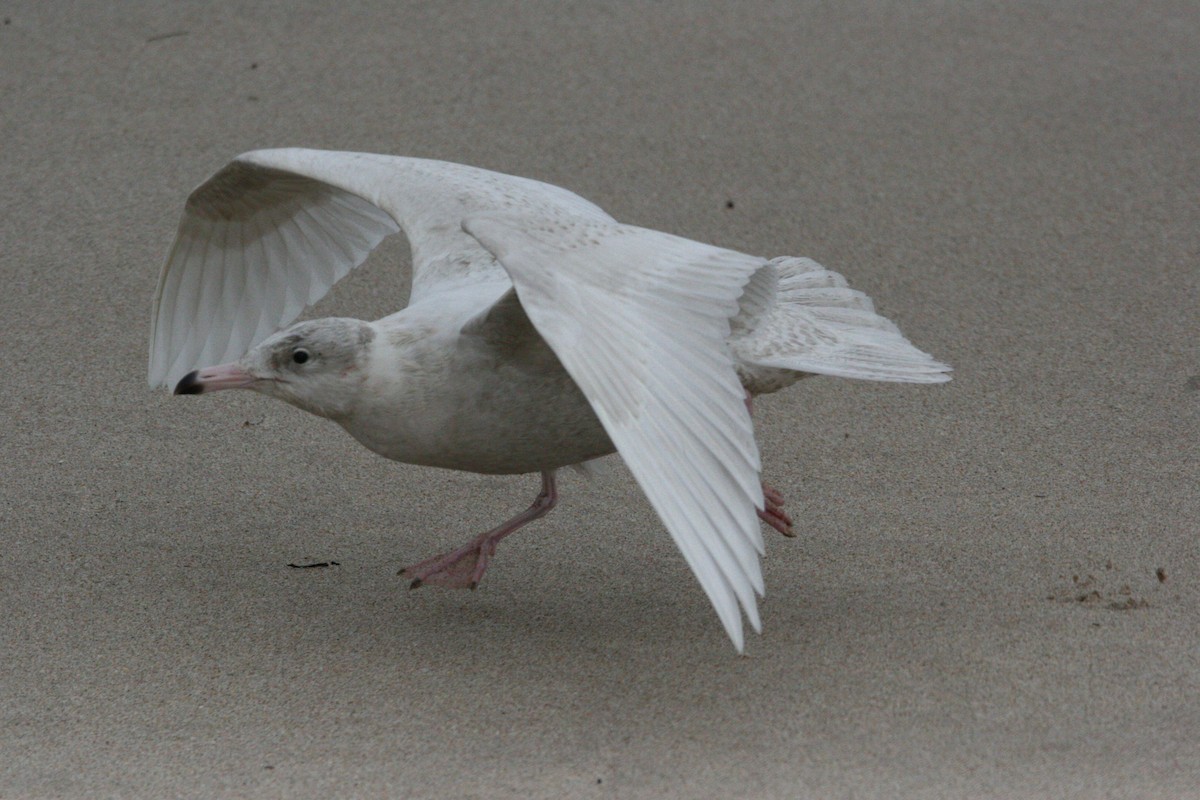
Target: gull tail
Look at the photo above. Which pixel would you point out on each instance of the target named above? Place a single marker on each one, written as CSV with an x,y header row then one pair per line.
x,y
797,316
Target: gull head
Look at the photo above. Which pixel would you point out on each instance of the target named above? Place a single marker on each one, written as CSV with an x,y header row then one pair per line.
x,y
319,366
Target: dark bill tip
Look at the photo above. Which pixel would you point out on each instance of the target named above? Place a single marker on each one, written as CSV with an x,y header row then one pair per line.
x,y
188,384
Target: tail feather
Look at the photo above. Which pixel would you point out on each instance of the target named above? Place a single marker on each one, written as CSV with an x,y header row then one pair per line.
x,y
827,298
799,316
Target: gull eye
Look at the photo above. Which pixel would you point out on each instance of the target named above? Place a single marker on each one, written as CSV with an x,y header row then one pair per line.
x,y
299,355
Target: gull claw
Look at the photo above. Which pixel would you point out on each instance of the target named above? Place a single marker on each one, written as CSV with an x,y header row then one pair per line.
x,y
463,568
773,513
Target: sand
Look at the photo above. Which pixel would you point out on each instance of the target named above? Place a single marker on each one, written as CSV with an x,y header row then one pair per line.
x,y
994,592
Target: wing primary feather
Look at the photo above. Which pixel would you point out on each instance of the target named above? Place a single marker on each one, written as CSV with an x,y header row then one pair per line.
x,y
192,323
168,334
712,580
234,297
275,249
324,254
248,317
721,511
258,321
292,236
218,329
727,456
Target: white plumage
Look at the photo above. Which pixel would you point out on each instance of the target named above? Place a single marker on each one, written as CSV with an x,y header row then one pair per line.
x,y
540,333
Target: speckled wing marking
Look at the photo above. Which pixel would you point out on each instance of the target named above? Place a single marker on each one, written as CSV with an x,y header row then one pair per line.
x,y
640,319
798,316
273,230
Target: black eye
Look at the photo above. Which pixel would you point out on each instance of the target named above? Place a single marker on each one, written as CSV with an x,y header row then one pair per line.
x,y
299,355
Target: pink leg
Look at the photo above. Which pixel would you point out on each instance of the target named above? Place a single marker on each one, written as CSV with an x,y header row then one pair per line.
x,y
463,568
772,513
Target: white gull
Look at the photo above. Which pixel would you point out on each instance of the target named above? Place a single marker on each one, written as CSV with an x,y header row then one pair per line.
x,y
540,333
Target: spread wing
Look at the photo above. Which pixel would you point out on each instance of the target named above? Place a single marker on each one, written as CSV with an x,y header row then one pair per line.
x,y
640,319
272,231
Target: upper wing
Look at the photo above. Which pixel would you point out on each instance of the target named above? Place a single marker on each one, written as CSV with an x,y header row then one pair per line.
x,y
639,319
275,229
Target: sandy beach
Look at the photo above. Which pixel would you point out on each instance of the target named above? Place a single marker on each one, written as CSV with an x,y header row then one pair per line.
x,y
995,589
